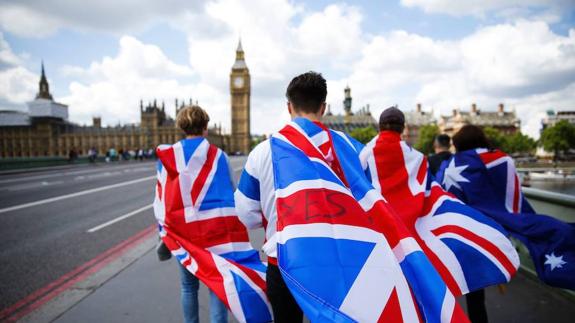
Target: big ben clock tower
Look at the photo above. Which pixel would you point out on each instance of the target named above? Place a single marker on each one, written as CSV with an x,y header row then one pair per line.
x,y
240,93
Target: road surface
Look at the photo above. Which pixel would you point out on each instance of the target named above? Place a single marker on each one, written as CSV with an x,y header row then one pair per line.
x,y
56,220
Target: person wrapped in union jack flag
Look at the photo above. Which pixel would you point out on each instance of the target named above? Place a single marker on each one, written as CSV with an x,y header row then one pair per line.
x,y
486,179
336,250
470,250
194,207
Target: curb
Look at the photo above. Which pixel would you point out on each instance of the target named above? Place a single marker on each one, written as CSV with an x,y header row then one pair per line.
x,y
52,301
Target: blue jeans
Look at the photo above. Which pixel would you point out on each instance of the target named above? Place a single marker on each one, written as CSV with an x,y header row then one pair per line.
x,y
190,285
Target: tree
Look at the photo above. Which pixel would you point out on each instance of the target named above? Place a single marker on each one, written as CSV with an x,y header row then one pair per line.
x,y
363,135
558,138
519,143
427,134
496,138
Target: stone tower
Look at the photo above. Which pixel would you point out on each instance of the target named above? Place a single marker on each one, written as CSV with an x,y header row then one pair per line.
x,y
240,102
347,101
44,87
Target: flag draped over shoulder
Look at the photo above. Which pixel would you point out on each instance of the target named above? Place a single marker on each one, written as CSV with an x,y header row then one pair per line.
x,y
487,180
342,252
469,250
194,207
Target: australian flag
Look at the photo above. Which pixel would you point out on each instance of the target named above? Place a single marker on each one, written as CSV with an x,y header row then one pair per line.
x,y
194,207
469,250
343,253
487,180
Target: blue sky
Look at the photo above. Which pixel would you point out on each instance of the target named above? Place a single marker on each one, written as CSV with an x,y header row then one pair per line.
x,y
102,58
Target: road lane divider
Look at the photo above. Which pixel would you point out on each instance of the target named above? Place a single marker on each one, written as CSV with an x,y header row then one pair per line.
x,y
68,196
45,294
118,219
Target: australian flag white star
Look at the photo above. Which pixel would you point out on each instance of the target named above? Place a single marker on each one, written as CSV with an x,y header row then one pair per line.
x,y
554,261
453,176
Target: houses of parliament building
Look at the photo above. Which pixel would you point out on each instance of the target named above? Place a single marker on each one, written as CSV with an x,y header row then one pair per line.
x,y
44,130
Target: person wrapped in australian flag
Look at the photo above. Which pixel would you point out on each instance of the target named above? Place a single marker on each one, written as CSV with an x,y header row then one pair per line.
x,y
469,250
486,180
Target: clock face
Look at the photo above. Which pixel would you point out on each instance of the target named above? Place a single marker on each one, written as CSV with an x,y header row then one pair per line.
x,y
238,82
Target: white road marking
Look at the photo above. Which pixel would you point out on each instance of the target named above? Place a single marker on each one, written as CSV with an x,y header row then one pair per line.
x,y
67,196
26,186
118,219
97,169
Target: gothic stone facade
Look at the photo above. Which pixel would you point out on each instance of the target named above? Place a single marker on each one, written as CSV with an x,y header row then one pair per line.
x,y
44,130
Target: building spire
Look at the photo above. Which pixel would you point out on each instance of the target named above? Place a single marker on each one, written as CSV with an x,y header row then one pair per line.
x,y
44,87
240,49
240,62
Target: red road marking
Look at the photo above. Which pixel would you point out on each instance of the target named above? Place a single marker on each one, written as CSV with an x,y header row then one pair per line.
x,y
41,296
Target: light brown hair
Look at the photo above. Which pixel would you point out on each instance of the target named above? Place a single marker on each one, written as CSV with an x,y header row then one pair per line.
x,y
193,120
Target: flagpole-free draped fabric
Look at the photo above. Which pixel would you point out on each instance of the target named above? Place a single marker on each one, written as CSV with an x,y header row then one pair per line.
x,y
487,181
343,254
469,250
194,207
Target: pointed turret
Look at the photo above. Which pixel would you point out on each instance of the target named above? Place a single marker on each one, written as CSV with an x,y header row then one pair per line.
x,y
44,87
240,62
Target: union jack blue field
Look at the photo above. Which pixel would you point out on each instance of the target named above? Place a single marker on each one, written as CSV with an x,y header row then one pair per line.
x,y
470,250
344,254
194,206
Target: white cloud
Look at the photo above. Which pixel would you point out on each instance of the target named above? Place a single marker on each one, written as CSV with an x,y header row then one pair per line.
x,y
480,8
37,18
113,86
276,37
17,84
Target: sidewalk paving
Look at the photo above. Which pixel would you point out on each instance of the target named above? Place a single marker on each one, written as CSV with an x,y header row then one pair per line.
x,y
148,291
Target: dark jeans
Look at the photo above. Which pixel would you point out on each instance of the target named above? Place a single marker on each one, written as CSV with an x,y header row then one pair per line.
x,y
476,306
284,306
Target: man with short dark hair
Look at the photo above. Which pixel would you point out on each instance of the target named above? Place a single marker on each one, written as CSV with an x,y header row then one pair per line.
x,y
255,196
441,146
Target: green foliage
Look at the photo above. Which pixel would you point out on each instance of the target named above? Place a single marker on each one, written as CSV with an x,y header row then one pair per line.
x,y
496,138
520,143
427,135
517,143
363,135
559,138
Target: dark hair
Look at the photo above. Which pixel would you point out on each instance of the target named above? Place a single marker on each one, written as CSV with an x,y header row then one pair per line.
x,y
470,137
307,92
443,140
193,120
397,127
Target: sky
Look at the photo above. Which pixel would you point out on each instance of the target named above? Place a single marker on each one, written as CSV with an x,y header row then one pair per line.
x,y
103,57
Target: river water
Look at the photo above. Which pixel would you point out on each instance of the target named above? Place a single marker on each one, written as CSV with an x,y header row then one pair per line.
x,y
559,186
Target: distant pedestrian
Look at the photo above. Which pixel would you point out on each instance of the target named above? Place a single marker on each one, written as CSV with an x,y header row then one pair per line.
x,y
441,146
92,154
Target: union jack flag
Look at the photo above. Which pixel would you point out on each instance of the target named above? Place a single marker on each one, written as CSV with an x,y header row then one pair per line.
x,y
194,207
487,181
469,250
342,252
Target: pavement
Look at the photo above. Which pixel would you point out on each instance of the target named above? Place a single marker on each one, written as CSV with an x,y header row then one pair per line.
x,y
54,269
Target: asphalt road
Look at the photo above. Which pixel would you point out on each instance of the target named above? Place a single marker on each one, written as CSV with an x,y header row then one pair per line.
x,y
53,221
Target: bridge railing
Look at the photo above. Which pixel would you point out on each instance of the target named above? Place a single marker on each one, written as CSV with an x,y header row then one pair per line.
x,y
557,205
